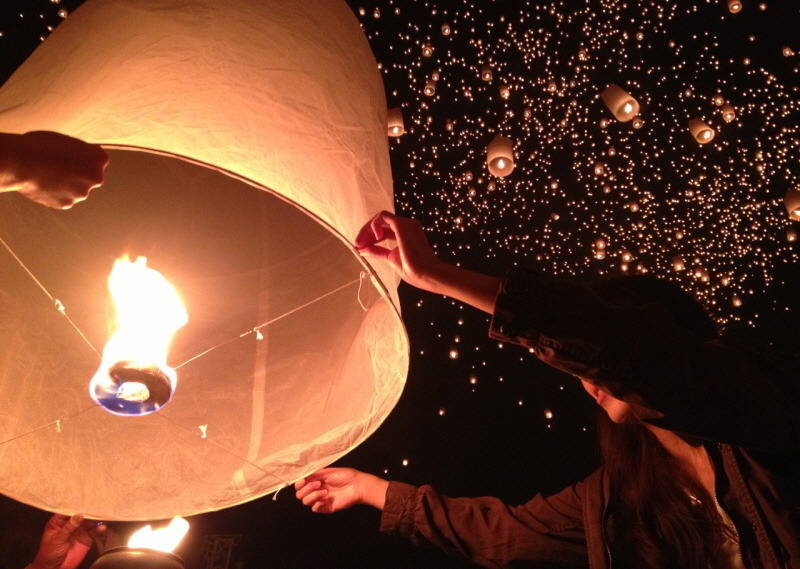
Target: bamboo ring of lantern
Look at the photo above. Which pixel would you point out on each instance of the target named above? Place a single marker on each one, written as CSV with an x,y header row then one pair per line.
x,y
395,124
701,132
792,202
242,174
623,106
500,156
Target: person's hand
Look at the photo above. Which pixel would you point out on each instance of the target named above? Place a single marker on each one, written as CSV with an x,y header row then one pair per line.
x,y
414,261
333,489
412,258
65,542
53,169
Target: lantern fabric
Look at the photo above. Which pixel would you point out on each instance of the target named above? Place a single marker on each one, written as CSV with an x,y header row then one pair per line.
x,y
620,102
248,145
500,156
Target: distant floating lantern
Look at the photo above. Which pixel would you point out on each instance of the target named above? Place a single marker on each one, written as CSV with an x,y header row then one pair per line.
x,y
449,125
430,88
787,51
527,113
620,102
552,86
468,175
718,100
583,55
633,206
446,29
505,91
491,186
500,156
436,75
728,112
395,122
600,243
677,263
792,202
637,122
599,168
626,256
791,234
486,73
427,50
736,300
734,6
701,132
603,123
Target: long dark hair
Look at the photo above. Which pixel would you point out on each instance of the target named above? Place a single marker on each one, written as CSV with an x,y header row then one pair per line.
x,y
659,516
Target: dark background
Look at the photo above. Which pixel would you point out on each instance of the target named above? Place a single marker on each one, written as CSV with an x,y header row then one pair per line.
x,y
477,417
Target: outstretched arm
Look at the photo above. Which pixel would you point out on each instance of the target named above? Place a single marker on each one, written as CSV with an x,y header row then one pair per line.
x,y
415,262
50,168
333,489
65,542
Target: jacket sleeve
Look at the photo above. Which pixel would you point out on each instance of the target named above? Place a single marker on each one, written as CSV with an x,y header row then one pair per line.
x,y
545,532
715,390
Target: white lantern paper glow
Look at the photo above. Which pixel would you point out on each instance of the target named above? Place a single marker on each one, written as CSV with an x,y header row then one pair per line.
x,y
500,156
620,103
701,132
248,145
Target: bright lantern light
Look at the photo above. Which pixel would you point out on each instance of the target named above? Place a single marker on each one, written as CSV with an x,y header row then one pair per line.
x,y
133,378
164,539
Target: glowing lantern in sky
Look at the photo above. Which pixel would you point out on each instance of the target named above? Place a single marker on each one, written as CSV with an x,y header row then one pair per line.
x,y
395,123
242,172
728,112
486,73
500,156
446,29
792,202
430,88
701,132
734,6
620,103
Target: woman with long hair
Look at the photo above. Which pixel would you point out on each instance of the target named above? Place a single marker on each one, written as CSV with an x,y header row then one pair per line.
x,y
700,438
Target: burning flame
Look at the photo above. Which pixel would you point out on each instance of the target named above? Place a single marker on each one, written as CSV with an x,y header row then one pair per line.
x,y
134,378
163,539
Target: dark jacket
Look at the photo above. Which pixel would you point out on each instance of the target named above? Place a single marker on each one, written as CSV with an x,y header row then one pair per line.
x,y
744,404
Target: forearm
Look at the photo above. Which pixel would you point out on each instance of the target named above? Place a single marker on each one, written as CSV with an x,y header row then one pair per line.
x,y
373,491
473,288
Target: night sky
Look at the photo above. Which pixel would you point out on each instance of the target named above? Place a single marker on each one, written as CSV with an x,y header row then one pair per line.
x,y
589,196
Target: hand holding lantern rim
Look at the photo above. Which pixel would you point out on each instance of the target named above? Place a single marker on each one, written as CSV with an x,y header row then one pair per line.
x,y
50,168
65,542
415,262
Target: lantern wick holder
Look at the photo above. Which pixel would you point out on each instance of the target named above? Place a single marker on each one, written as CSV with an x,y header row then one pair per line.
x,y
131,388
137,558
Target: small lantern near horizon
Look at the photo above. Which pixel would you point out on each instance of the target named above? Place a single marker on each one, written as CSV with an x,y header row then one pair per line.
x,y
792,202
728,112
500,156
701,132
734,6
623,106
395,124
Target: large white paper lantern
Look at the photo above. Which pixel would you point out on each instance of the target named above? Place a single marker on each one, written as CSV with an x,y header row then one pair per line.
x,y
248,145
